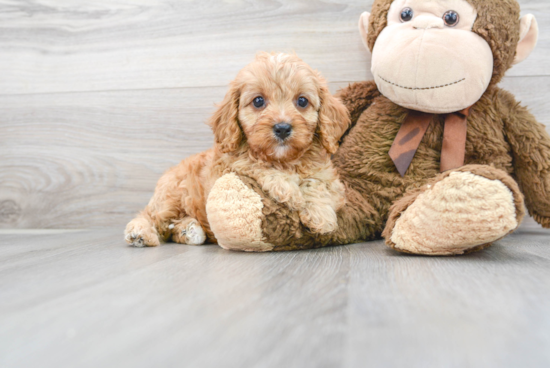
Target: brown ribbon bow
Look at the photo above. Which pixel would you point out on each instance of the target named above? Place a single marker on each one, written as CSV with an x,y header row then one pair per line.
x,y
413,130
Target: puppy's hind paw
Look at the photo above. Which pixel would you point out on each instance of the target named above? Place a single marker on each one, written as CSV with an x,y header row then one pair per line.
x,y
195,234
140,233
188,231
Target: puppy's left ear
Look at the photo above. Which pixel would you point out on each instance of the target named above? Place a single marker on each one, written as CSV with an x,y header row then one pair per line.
x,y
334,120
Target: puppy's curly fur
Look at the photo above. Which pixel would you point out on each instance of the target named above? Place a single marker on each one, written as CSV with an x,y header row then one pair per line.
x,y
294,169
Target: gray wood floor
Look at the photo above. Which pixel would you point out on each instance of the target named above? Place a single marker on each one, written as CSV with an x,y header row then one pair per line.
x,y
85,299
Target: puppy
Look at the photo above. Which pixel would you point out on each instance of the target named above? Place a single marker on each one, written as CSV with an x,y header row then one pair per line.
x,y
277,124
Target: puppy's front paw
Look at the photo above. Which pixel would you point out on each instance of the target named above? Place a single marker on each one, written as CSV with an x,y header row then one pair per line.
x,y
140,233
320,219
284,189
188,231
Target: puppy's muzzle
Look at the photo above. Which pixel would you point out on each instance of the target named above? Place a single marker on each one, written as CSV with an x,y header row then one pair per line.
x,y
282,130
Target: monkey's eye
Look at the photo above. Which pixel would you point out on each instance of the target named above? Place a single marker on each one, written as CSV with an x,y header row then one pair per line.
x,y
259,102
451,18
303,102
407,15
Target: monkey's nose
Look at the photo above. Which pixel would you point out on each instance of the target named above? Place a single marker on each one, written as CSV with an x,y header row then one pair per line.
x,y
282,130
427,22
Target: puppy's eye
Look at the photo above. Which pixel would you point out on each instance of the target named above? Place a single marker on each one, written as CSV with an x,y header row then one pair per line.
x,y
451,18
407,15
303,102
259,102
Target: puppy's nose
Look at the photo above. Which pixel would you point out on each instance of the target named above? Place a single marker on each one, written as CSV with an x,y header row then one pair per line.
x,y
282,130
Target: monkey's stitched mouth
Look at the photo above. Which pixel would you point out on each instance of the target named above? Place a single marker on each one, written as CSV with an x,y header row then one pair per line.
x,y
422,88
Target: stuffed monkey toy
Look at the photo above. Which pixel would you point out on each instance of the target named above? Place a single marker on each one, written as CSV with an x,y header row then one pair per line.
x,y
439,160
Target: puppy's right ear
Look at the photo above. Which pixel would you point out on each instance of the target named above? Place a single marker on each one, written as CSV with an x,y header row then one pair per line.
x,y
225,121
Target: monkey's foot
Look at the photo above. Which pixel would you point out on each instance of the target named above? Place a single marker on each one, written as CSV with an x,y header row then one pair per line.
x,y
140,233
458,212
235,215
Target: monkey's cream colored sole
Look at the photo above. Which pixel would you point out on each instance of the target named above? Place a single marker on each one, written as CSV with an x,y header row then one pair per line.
x,y
235,215
459,213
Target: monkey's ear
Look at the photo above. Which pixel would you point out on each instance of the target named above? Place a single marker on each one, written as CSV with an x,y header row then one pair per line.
x,y
364,28
528,36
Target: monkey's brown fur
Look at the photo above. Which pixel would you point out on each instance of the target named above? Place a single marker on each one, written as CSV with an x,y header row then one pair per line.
x,y
504,142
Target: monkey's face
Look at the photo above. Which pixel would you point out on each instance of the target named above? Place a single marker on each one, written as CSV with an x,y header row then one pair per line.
x,y
428,59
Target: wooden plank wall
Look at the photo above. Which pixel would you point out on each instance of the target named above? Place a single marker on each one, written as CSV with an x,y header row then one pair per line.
x,y
98,98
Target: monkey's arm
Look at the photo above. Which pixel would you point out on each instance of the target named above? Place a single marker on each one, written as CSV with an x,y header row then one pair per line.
x,y
530,145
357,97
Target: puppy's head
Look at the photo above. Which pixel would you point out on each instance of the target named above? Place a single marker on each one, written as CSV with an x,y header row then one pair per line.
x,y
279,107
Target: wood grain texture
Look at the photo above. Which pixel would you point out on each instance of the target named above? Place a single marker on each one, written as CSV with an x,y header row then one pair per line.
x,y
52,46
117,44
88,300
78,160
98,99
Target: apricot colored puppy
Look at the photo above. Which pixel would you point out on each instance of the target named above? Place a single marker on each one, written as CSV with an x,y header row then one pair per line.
x,y
278,124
